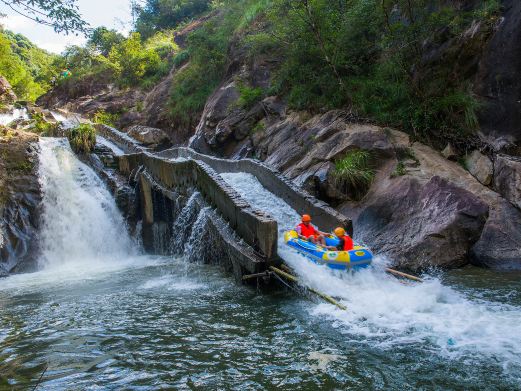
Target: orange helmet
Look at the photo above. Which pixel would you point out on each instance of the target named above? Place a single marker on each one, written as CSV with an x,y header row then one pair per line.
x,y
306,218
339,232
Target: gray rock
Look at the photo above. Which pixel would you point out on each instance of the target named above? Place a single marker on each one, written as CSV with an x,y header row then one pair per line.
x,y
419,225
480,166
148,136
449,152
499,246
507,178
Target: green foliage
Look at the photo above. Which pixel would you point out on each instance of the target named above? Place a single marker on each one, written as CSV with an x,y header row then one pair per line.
x,y
399,170
156,15
249,96
102,117
27,68
353,173
82,138
103,40
125,61
133,61
181,58
374,56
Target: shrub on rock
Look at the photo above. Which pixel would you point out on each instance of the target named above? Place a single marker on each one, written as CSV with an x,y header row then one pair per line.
x,y
82,138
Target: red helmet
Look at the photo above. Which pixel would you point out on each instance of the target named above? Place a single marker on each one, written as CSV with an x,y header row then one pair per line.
x,y
306,218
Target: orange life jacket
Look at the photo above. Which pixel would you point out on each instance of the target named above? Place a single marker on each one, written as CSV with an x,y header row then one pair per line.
x,y
307,230
348,243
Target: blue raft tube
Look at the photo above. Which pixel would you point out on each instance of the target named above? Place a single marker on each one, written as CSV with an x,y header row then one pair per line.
x,y
358,258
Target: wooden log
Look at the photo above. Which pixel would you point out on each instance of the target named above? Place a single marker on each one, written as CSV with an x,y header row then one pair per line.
x,y
256,275
404,275
294,279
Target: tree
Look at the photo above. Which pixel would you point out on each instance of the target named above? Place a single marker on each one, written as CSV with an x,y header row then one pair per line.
x,y
103,40
61,15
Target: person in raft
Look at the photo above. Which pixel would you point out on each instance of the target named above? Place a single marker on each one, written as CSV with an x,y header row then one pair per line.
x,y
345,242
308,231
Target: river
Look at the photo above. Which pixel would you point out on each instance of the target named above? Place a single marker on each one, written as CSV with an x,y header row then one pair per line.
x,y
103,315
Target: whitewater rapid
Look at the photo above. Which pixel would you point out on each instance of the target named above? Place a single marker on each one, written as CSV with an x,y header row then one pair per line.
x,y
389,313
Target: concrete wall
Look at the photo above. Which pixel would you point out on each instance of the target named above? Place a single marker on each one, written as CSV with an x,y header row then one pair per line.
x,y
323,215
256,228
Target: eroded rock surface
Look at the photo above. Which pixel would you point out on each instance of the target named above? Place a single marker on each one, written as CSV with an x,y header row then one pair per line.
x,y
507,178
20,196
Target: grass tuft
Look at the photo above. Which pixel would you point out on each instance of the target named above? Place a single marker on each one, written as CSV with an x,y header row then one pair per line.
x,y
82,138
353,173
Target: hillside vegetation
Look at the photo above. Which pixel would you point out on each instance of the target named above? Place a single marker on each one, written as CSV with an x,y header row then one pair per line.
x,y
28,68
402,63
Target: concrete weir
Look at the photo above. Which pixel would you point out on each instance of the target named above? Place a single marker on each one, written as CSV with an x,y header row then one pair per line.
x,y
178,187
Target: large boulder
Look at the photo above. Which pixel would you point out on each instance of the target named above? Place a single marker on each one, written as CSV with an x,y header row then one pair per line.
x,y
148,136
507,178
499,246
419,225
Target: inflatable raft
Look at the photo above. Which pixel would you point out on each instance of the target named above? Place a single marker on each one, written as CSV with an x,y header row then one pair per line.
x,y
357,258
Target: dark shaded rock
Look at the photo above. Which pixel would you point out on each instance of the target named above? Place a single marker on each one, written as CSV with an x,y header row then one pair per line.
x,y
499,80
20,197
507,178
422,225
500,244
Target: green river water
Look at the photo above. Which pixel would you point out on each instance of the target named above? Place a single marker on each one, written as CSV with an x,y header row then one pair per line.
x,y
102,316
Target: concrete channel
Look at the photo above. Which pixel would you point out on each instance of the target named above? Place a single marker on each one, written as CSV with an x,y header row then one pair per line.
x,y
243,239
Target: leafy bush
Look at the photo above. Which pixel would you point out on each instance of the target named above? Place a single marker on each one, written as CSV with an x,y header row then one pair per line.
x,y
353,173
376,56
156,15
102,117
26,67
82,138
249,96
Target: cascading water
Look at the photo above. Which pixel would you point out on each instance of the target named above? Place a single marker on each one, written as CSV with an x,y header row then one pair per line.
x,y
5,119
387,313
81,223
182,223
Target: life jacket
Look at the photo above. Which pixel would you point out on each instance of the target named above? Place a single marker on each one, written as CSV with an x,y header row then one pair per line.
x,y
348,243
307,231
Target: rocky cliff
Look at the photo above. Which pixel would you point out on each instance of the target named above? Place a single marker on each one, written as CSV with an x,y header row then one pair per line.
x,y
20,199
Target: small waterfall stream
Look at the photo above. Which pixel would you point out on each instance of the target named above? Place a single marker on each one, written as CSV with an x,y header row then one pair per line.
x,y
82,225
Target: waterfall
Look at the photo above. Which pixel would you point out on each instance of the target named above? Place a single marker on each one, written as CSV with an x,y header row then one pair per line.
x,y
82,225
5,119
184,220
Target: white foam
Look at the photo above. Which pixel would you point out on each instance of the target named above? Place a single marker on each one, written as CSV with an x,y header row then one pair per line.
x,y
81,222
386,312
5,119
109,144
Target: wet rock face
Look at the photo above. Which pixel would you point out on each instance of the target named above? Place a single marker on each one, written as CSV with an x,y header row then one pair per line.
x,y
419,225
499,80
20,196
499,246
507,178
